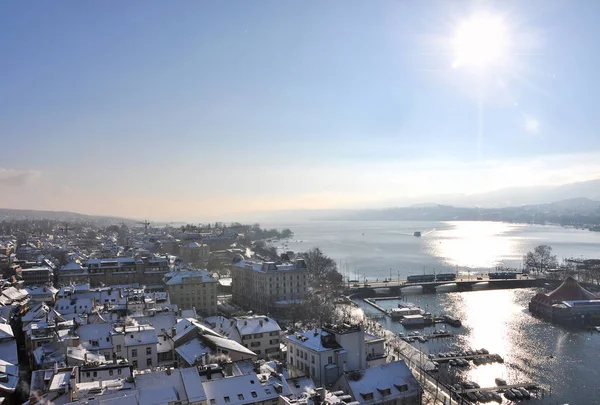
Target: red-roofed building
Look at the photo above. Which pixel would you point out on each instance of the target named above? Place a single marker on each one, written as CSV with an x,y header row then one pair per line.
x,y
570,304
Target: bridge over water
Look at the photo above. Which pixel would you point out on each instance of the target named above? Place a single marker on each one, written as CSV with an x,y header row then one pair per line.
x,y
395,288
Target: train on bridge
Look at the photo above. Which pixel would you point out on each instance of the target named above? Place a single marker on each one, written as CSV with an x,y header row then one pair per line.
x,y
430,278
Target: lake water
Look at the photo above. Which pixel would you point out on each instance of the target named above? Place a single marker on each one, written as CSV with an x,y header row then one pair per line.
x,y
376,249
565,362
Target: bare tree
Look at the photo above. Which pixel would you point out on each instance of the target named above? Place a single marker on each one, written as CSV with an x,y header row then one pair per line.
x,y
540,259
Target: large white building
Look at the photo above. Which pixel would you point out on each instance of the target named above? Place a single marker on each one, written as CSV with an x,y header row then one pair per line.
x,y
263,286
325,354
258,333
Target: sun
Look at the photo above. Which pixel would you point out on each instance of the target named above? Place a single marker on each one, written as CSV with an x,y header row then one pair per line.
x,y
480,41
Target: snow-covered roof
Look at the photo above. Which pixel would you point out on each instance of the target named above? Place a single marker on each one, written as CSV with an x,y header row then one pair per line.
x,y
242,389
95,336
189,276
311,340
8,351
6,332
228,344
192,384
373,385
12,376
160,387
193,350
140,335
72,266
270,266
256,324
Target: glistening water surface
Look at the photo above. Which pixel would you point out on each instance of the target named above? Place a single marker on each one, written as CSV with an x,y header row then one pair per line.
x,y
380,249
534,350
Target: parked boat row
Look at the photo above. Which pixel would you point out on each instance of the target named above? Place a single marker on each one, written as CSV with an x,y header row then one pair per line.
x,y
516,394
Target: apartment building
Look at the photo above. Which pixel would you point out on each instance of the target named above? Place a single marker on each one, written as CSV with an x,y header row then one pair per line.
x,y
147,270
36,276
325,354
192,289
265,286
195,252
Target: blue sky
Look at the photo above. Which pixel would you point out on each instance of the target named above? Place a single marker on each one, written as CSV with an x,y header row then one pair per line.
x,y
178,110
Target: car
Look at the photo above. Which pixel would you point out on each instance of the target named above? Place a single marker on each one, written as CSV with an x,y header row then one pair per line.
x,y
479,278
356,285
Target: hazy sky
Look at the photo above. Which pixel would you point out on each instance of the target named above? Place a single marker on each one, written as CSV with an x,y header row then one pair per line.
x,y
180,110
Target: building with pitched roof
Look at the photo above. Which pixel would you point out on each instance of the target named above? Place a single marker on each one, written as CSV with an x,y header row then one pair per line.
x,y
570,304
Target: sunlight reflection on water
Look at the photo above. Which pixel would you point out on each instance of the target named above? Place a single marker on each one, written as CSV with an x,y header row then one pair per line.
x,y
533,350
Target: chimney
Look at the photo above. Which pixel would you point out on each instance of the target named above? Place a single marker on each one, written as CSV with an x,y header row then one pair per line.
x,y
84,358
261,323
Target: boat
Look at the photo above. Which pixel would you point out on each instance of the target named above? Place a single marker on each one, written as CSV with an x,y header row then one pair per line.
x,y
417,234
485,351
480,396
524,392
508,394
517,393
471,397
476,385
452,363
496,397
500,381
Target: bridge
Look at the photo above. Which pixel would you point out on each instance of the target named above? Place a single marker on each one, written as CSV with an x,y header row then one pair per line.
x,y
395,288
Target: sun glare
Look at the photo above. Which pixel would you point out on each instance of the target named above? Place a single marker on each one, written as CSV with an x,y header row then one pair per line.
x,y
480,41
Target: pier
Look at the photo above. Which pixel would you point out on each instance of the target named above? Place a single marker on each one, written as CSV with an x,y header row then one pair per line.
x,y
527,385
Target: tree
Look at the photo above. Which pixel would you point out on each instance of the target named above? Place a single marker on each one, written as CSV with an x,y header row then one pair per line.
x,y
326,286
540,259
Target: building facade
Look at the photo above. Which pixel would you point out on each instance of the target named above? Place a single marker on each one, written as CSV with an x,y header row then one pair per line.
x,y
325,354
193,289
37,276
265,286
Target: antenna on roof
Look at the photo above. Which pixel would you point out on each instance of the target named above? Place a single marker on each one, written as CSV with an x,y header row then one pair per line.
x,y
145,223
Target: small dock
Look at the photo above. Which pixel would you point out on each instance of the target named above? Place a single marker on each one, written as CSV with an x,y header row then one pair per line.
x,y
527,385
494,358
375,305
428,337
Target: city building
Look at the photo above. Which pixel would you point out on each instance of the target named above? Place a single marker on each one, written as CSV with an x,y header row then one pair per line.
x,y
192,289
37,276
325,354
570,305
195,252
147,270
136,344
258,333
388,384
265,286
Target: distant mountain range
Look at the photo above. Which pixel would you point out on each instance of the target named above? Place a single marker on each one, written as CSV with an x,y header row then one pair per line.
x,y
63,216
519,196
575,211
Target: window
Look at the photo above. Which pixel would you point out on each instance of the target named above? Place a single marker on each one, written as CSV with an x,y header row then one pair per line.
x,y
367,396
254,394
255,344
95,374
148,350
134,363
291,361
134,353
111,372
119,371
330,360
118,348
212,401
87,374
227,399
313,371
258,335
149,362
312,360
273,333
241,397
267,391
